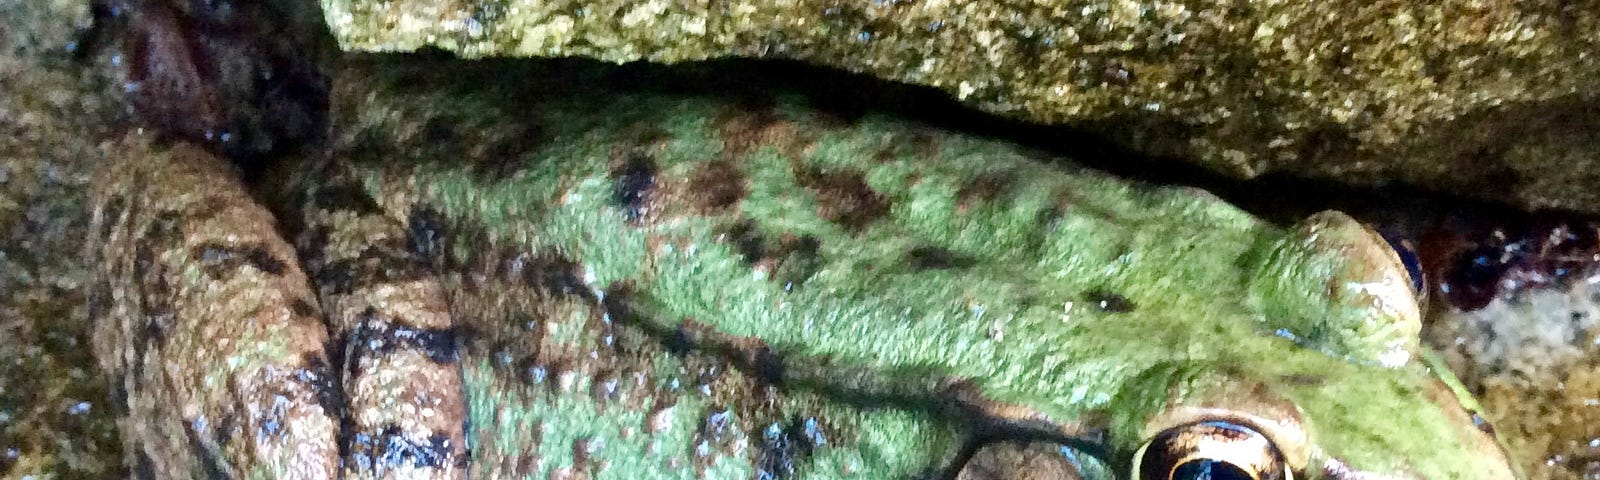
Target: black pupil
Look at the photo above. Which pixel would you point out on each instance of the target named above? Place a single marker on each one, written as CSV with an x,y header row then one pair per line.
x,y
1207,469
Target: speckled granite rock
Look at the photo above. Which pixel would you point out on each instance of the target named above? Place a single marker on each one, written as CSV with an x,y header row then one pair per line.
x,y
55,411
1534,363
1491,99
1517,316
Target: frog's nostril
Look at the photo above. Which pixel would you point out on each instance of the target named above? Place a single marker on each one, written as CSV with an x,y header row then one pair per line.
x,y
1408,258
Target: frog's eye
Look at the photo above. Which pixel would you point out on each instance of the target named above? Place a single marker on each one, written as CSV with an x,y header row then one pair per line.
x,y
1213,450
1408,259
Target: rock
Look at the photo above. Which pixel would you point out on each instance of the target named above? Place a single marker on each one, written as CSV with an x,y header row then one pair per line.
x,y
1493,100
56,417
1517,316
1535,367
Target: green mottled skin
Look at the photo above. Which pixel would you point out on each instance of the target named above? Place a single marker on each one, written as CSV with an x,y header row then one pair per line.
x,y
901,357
654,286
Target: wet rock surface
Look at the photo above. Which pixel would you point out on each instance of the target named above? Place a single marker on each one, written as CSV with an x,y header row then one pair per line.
x,y
1493,100
55,111
1517,316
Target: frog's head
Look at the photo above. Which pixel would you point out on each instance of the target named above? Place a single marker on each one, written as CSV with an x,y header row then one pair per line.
x,y
1334,386
1342,424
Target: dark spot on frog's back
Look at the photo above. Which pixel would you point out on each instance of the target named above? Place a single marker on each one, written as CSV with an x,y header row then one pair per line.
x,y
552,272
505,155
633,183
790,259
845,198
303,309
985,189
935,258
749,242
377,263
426,233
785,448
750,123
1109,302
717,186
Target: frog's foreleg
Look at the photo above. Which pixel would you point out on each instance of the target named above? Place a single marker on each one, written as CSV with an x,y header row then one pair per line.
x,y
206,324
393,336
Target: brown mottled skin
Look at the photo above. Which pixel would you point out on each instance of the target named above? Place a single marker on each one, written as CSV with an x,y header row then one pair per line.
x,y
201,289
193,269
372,389
402,379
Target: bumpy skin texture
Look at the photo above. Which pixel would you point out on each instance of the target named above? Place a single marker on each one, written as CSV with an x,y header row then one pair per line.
x,y
1488,99
648,286
210,332
875,260
405,408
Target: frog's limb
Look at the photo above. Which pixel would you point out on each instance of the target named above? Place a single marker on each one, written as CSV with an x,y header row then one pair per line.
x,y
1336,285
206,323
405,406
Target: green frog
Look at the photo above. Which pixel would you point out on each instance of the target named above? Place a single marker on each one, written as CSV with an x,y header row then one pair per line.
x,y
482,278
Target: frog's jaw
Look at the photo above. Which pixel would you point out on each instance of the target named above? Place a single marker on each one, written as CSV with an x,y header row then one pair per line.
x,y
1400,423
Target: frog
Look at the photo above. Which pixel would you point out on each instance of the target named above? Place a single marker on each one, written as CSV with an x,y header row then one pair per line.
x,y
482,277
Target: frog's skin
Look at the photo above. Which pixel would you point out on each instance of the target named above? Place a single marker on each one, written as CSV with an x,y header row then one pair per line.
x,y
648,286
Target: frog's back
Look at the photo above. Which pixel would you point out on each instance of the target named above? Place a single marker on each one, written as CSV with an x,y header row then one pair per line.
x,y
871,242
865,262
